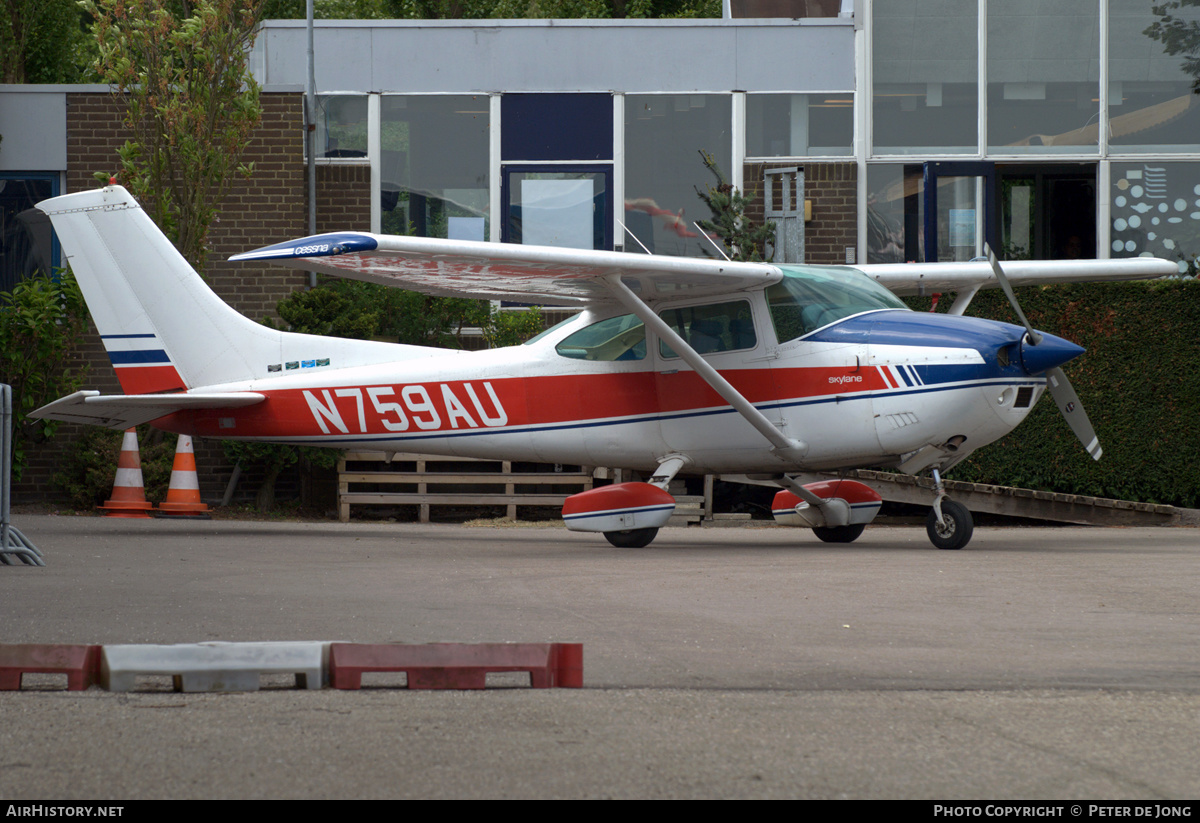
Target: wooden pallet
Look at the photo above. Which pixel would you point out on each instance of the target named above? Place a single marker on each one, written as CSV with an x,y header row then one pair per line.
x,y
426,481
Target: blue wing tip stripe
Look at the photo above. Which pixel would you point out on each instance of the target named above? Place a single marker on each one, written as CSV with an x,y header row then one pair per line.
x,y
320,245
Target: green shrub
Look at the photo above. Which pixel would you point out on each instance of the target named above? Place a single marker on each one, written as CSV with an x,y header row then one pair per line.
x,y
1140,384
90,466
40,321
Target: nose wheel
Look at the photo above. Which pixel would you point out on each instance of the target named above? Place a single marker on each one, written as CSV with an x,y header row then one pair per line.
x,y
955,528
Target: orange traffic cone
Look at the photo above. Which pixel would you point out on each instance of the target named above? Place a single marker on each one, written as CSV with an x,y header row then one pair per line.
x,y
128,494
183,496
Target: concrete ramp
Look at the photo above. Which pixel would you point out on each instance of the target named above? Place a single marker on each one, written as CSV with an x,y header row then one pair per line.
x,y
1014,502
1037,505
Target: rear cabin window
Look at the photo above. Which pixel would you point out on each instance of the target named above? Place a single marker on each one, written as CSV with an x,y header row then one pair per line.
x,y
617,338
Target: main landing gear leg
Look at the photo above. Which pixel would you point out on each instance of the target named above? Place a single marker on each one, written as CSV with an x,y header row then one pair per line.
x,y
949,523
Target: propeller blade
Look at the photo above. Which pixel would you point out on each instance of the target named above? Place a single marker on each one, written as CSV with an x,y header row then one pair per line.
x,y
1072,410
1060,387
1034,337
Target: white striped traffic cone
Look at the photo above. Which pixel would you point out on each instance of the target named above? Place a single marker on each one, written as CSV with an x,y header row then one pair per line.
x,y
128,494
183,496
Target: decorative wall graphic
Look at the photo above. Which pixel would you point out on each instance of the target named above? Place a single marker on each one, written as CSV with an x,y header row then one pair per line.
x,y
1156,212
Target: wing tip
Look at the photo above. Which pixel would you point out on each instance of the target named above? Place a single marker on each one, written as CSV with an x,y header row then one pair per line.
x,y
319,245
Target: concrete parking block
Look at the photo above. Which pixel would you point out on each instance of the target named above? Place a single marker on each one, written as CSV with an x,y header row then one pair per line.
x,y
214,666
457,665
80,663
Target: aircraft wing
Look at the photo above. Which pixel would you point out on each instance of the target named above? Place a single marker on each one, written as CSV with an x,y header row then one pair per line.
x,y
504,271
122,411
926,278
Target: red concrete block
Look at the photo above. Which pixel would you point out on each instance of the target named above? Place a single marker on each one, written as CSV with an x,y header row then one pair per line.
x,y
81,664
457,665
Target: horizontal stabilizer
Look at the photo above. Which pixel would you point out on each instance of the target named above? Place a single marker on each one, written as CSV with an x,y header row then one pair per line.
x,y
119,411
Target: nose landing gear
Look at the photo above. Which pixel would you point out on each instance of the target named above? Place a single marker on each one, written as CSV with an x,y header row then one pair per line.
x,y
949,524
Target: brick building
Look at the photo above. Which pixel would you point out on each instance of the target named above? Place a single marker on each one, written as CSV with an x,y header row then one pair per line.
x,y
920,132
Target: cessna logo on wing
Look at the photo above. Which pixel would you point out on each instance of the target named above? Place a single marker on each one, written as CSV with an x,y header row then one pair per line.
x,y
401,408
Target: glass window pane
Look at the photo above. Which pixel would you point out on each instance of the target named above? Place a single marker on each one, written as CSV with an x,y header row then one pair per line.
x,y
807,299
895,213
1017,197
799,125
342,125
960,226
1151,99
1043,77
1156,210
710,329
434,165
617,338
664,135
25,235
563,209
925,87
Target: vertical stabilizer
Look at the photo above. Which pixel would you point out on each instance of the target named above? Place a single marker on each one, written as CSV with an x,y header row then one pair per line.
x,y
164,329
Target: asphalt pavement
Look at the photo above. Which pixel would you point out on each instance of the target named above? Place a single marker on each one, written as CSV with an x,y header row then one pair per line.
x,y
1053,663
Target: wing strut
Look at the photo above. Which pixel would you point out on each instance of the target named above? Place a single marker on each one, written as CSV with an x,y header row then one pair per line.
x,y
785,447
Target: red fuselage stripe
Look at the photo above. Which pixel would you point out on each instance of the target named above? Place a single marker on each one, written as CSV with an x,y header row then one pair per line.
x,y
457,405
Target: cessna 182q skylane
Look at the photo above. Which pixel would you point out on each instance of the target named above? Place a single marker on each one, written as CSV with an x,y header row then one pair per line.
x,y
674,365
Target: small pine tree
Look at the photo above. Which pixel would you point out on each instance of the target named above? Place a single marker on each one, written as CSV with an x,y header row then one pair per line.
x,y
743,238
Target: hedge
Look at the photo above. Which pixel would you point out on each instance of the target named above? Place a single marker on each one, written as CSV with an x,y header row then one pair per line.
x,y
1140,384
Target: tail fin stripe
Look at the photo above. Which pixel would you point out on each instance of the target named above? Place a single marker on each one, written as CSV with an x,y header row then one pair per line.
x,y
129,358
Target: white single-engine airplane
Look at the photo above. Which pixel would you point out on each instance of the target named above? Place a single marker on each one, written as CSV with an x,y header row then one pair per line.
x,y
674,365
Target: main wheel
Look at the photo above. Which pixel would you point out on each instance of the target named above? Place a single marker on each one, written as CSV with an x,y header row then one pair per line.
x,y
632,538
839,534
957,529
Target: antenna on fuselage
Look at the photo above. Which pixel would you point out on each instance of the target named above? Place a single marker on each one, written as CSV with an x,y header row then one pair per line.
x,y
720,250
635,237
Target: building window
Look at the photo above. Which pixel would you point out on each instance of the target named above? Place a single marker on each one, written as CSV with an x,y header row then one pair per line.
x,y
895,213
342,126
1156,211
800,125
26,239
1043,77
664,136
925,78
1152,105
434,165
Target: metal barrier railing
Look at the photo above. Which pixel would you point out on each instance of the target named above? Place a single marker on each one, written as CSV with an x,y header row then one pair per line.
x,y
12,542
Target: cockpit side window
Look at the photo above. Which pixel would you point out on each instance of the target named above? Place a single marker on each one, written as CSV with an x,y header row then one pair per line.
x,y
617,338
713,328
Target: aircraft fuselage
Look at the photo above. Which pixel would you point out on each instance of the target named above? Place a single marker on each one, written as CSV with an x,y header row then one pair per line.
x,y
863,391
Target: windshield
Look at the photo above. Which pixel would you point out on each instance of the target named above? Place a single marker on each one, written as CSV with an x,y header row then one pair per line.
x,y
809,297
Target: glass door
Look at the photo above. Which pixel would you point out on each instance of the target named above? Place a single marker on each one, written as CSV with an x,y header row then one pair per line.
x,y
960,213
